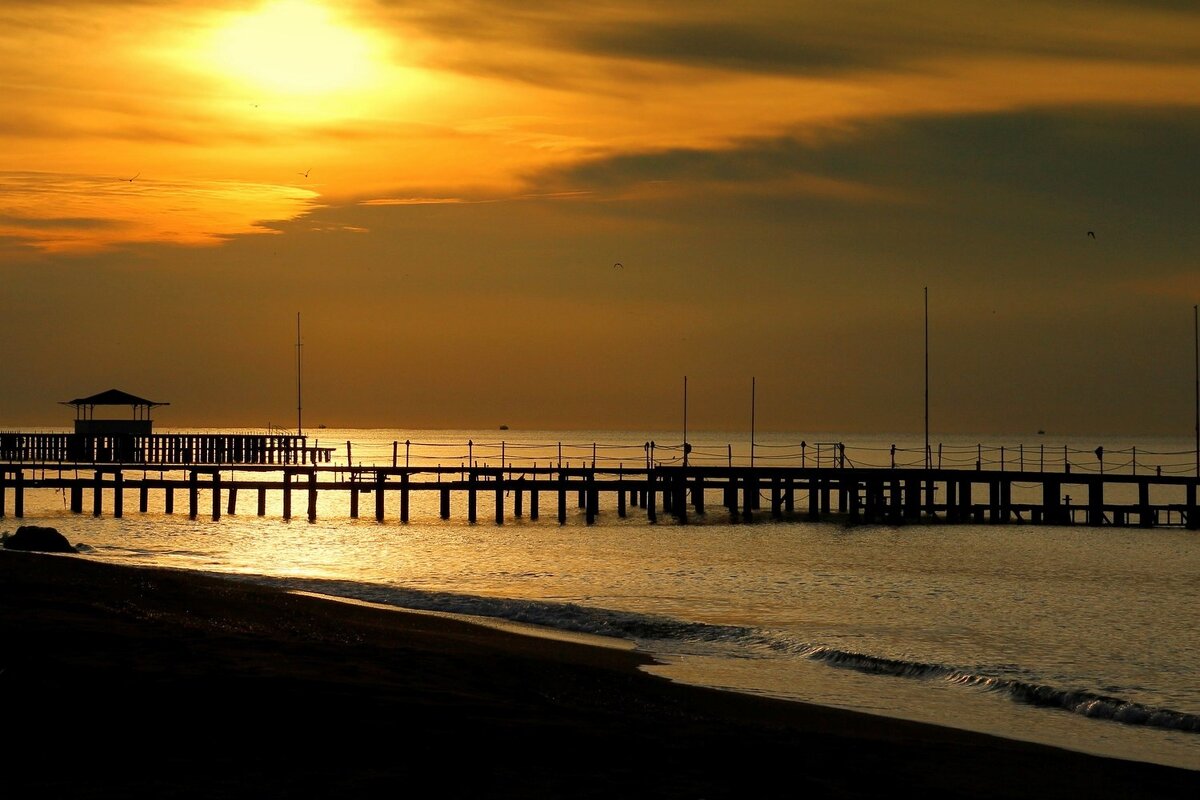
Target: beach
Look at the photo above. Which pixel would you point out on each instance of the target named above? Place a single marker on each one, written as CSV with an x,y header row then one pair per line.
x,y
130,682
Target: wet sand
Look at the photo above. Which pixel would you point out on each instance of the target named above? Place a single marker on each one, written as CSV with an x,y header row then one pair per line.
x,y
125,682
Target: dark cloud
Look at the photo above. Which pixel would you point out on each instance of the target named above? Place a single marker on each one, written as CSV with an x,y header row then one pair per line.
x,y
797,37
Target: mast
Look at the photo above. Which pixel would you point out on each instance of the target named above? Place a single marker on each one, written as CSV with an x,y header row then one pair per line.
x,y
927,455
299,404
752,380
685,444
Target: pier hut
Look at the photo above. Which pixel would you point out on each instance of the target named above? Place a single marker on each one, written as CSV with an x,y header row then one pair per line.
x,y
108,438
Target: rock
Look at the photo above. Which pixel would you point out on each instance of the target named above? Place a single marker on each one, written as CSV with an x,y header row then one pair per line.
x,y
36,537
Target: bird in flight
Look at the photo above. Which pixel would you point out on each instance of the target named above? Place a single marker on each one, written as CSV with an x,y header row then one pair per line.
x,y
1092,234
618,265
131,180
305,173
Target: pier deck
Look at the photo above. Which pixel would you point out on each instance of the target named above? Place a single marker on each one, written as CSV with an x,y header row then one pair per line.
x,y
868,495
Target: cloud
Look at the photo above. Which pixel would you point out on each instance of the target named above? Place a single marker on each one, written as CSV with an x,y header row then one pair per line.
x,y
63,212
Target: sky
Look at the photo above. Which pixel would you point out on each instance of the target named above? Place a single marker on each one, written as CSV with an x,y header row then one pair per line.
x,y
548,214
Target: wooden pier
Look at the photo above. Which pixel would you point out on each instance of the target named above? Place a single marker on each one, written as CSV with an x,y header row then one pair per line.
x,y
856,495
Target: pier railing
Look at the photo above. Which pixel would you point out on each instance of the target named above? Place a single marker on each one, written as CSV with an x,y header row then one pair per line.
x,y
276,447
160,448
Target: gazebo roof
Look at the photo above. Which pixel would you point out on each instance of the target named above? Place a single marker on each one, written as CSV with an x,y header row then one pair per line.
x,y
113,397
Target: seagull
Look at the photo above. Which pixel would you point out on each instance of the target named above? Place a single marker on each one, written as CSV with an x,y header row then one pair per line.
x,y
1092,234
618,265
305,173
131,180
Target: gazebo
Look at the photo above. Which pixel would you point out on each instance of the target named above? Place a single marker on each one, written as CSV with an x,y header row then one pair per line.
x,y
87,424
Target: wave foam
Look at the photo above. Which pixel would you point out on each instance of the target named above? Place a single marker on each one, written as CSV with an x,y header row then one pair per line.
x,y
649,629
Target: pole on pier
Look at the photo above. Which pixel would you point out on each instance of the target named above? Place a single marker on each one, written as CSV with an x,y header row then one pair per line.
x,y
118,495
1196,333
97,495
353,495
169,500
752,398
143,497
4,489
445,503
233,493
262,501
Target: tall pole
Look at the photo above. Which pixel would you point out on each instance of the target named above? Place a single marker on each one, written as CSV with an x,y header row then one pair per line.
x,y
299,404
927,456
752,380
1196,334
685,444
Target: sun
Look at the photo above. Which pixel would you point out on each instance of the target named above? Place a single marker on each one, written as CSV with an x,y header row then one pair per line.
x,y
294,47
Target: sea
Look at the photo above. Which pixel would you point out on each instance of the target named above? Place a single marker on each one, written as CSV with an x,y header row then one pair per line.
x,y
1081,637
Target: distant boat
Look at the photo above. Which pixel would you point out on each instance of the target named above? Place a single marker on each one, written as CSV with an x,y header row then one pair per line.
x,y
1041,432
321,426
503,427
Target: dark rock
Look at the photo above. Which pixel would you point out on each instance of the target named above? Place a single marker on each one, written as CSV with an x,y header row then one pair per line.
x,y
36,537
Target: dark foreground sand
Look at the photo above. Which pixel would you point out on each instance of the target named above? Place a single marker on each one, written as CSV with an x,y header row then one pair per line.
x,y
120,682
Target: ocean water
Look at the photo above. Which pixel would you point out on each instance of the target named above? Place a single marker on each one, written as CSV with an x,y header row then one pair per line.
x,y
1080,637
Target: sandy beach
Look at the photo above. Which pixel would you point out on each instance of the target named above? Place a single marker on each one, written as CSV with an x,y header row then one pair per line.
x,y
124,682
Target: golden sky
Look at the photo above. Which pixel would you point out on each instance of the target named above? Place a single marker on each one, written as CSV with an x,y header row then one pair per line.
x,y
442,188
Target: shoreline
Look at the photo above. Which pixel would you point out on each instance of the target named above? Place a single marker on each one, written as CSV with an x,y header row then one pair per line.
x,y
123,681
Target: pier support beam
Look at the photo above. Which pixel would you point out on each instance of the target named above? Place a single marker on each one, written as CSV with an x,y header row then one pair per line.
x,y
233,493
262,501
118,495
193,494
77,498
472,500
169,500
562,498
1095,502
815,486
312,495
216,496
143,497
749,497
651,498
97,494
404,497
1145,515
533,499
518,498
499,499
1193,513
287,494
445,503
380,496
